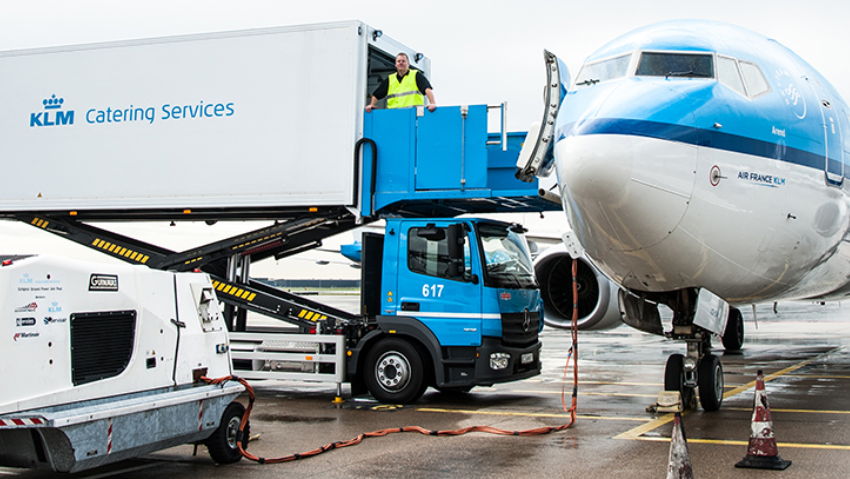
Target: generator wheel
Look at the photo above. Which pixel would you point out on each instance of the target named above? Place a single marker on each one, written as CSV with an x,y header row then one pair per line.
x,y
222,444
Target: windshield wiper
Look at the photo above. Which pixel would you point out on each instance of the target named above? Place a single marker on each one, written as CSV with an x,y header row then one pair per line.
x,y
687,73
589,81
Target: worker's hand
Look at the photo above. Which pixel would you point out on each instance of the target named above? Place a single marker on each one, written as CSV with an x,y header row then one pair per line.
x,y
368,108
432,107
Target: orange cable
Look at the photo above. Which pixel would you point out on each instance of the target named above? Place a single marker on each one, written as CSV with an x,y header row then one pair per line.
x,y
573,353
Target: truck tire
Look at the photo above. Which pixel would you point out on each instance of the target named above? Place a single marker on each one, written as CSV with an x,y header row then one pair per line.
x,y
394,372
222,444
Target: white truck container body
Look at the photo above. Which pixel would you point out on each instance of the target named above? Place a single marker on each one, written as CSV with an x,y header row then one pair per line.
x,y
255,119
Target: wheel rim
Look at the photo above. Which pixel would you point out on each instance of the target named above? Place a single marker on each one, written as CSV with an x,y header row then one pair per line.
x,y
718,381
392,371
233,431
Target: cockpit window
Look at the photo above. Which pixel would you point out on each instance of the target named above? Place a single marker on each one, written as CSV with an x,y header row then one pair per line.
x,y
604,70
728,74
685,65
754,79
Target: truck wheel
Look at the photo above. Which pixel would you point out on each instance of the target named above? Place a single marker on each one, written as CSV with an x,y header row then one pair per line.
x,y
394,372
222,444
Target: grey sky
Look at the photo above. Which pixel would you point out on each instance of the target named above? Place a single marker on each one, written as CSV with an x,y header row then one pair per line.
x,y
481,52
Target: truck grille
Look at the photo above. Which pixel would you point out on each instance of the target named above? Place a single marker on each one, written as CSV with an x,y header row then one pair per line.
x,y
516,331
101,344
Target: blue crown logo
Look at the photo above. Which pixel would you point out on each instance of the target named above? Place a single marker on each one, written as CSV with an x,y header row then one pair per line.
x,y
53,103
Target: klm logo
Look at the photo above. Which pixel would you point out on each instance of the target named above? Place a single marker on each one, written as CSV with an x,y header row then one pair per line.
x,y
52,114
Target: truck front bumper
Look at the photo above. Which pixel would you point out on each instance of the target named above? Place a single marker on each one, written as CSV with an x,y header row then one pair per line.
x,y
492,355
521,362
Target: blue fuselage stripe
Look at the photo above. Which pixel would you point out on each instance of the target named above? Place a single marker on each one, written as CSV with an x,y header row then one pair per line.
x,y
695,136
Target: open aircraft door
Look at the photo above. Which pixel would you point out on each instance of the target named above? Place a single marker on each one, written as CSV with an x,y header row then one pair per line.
x,y
536,158
832,128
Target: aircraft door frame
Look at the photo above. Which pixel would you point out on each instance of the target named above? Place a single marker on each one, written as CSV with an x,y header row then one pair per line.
x,y
834,169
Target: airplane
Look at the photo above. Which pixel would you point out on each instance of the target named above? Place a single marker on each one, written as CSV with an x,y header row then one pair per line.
x,y
701,166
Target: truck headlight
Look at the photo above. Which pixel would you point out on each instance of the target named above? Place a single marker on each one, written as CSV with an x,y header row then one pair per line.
x,y
499,361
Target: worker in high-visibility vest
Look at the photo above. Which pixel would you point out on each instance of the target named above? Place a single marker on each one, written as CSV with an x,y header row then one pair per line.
x,y
406,88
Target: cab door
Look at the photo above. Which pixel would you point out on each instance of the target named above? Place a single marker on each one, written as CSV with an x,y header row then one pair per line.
x,y
448,303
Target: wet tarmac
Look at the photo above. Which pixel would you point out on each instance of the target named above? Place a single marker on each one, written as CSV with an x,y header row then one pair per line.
x,y
804,351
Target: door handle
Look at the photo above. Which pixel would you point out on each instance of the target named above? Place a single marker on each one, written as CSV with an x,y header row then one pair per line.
x,y
405,306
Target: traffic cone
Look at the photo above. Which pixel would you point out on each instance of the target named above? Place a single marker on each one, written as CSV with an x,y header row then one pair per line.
x,y
762,452
680,461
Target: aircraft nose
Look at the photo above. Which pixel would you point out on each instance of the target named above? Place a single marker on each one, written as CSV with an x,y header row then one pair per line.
x,y
627,181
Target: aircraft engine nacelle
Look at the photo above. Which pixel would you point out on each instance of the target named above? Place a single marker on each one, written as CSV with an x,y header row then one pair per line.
x,y
597,296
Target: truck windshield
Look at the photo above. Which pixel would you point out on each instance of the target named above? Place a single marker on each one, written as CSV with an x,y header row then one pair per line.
x,y
508,262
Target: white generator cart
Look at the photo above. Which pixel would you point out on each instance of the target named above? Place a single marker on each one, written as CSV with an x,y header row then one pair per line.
x,y
102,362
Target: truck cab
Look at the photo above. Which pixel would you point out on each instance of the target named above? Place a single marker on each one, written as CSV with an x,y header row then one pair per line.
x,y
454,305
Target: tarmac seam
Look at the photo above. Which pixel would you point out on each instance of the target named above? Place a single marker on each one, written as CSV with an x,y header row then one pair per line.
x,y
581,393
530,414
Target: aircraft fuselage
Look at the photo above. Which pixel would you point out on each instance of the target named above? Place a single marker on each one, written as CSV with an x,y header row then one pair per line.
x,y
696,154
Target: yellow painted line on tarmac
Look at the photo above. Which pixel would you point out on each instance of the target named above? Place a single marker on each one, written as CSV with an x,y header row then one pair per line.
x,y
725,442
783,372
636,433
531,414
804,411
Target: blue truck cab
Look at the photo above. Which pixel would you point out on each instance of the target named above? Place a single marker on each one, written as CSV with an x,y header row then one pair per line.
x,y
451,303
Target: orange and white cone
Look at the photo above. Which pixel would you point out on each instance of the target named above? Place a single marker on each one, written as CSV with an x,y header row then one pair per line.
x,y
762,452
679,466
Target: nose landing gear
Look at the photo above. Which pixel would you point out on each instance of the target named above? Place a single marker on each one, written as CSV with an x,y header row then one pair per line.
x,y
699,371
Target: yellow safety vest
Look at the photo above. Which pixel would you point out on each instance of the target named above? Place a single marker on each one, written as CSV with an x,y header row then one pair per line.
x,y
404,94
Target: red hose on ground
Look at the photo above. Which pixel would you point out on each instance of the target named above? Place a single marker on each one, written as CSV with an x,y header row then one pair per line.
x,y
573,353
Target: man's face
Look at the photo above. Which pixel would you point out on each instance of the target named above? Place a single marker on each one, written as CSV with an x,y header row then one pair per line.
x,y
401,64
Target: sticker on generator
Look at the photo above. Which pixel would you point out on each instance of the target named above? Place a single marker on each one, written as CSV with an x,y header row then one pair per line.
x,y
103,282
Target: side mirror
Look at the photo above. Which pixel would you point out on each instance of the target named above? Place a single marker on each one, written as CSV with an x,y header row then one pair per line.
x,y
474,279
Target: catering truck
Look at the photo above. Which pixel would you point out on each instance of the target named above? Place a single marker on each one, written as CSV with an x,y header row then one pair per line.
x,y
269,125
